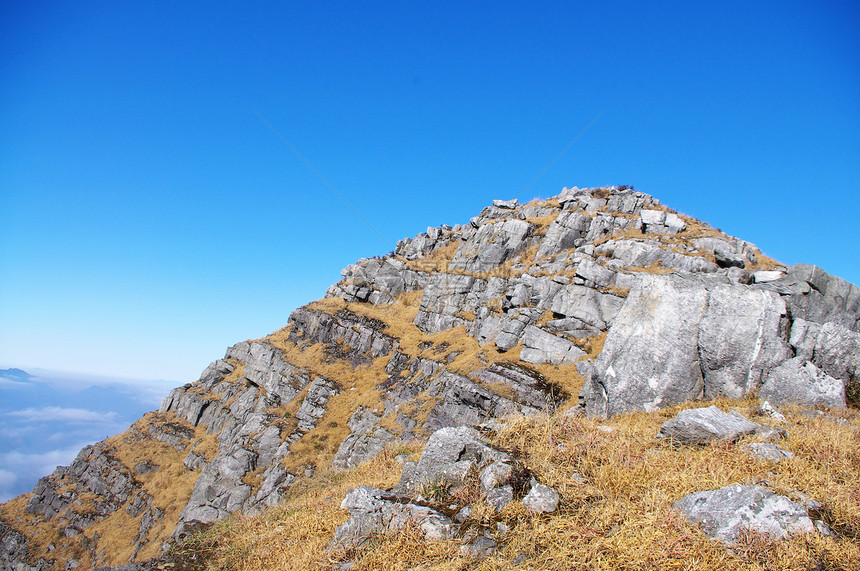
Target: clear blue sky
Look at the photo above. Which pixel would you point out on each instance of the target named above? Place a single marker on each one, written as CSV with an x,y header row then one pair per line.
x,y
150,218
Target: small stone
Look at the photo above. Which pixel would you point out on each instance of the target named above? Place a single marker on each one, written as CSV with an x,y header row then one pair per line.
x,y
498,498
495,474
541,499
769,410
764,276
770,433
480,547
464,514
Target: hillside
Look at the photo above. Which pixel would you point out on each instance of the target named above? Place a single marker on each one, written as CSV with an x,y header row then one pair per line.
x,y
569,331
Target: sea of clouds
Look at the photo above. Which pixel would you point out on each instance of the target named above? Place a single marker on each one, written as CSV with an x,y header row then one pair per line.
x,y
46,417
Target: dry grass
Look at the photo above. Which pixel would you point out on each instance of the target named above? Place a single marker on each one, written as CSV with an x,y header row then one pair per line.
x,y
619,291
621,518
435,261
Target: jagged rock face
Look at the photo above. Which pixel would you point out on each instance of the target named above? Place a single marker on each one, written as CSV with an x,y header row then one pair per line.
x,y
684,337
600,293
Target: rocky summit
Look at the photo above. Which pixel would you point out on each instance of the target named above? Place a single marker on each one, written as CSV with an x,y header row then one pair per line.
x,y
589,305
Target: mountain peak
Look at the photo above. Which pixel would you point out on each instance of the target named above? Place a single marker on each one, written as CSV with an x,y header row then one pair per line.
x,y
593,304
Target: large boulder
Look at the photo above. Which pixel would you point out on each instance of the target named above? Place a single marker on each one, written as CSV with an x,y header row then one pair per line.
x,y
679,338
742,335
650,358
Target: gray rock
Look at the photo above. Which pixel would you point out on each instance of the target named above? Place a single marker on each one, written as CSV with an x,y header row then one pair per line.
x,y
374,511
831,346
481,546
800,382
593,274
704,425
741,337
507,204
768,433
366,439
765,408
541,499
461,401
592,308
347,335
726,512
767,451
530,387
650,358
495,475
764,276
314,404
566,232
445,296
464,514
726,259
448,456
679,338
641,253
499,498
264,365
14,554
492,245
661,222
543,347
837,291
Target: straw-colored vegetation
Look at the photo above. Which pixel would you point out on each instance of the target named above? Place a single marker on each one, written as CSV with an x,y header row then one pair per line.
x,y
620,518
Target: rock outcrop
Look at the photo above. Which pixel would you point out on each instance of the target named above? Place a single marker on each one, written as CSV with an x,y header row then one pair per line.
x,y
421,497
601,294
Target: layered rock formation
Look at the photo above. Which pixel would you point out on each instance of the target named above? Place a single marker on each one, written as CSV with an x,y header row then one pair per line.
x,y
601,301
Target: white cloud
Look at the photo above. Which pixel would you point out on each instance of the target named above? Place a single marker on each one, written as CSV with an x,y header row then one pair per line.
x,y
56,413
30,467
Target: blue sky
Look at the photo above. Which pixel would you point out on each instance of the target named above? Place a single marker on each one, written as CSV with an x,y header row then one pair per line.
x,y
151,219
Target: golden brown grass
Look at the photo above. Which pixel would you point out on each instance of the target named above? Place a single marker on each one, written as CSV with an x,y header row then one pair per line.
x,y
621,518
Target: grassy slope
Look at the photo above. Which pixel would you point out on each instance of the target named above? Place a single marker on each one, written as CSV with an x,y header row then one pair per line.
x,y
621,518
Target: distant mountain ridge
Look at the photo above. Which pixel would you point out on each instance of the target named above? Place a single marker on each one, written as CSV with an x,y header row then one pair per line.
x,y
15,375
598,302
